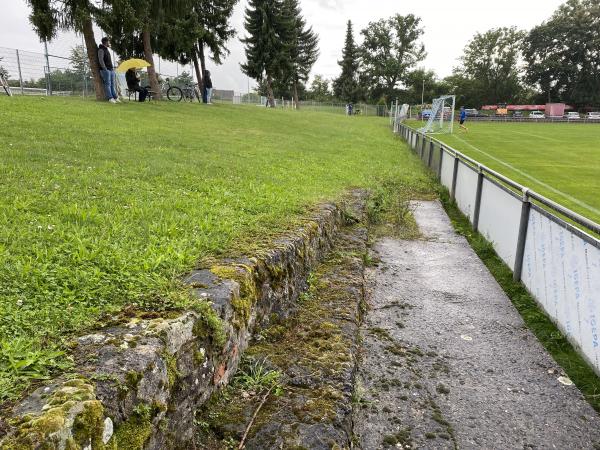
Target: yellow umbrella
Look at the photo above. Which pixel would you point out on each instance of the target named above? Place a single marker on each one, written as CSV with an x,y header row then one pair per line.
x,y
132,64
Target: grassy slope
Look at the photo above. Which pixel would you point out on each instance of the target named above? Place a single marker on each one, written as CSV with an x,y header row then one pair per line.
x,y
107,205
564,156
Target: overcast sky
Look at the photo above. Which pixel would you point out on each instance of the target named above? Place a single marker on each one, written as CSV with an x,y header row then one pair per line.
x,y
448,25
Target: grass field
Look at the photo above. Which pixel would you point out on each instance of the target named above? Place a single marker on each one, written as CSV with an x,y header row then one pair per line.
x,y
103,206
558,160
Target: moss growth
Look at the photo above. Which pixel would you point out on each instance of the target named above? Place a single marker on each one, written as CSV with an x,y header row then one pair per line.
x,y
315,341
381,333
132,379
402,438
244,276
89,425
199,356
133,434
242,306
209,325
172,371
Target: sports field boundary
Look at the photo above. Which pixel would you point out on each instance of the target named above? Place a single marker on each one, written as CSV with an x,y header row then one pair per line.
x,y
528,176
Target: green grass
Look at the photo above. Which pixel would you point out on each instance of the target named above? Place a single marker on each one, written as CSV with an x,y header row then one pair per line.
x,y
539,323
104,206
564,156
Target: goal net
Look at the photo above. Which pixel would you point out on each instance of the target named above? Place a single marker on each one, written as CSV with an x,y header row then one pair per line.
x,y
441,115
399,115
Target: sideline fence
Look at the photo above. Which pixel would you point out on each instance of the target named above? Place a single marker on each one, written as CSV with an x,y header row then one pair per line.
x,y
557,261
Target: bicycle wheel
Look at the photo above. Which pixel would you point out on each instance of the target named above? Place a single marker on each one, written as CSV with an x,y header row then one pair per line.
x,y
174,94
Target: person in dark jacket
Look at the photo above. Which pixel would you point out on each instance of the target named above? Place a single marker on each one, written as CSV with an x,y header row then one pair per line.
x,y
107,72
133,84
208,86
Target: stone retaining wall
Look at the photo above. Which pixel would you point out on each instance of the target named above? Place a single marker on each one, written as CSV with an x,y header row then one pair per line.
x,y
138,384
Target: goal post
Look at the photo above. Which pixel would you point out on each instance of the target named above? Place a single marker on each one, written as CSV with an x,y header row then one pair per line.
x,y
441,115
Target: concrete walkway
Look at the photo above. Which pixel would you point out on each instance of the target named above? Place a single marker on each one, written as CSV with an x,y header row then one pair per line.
x,y
448,361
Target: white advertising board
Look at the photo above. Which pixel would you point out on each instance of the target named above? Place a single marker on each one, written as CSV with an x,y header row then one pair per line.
x,y
447,169
466,189
499,217
562,271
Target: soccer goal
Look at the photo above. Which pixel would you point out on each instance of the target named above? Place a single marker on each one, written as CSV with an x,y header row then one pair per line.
x,y
441,115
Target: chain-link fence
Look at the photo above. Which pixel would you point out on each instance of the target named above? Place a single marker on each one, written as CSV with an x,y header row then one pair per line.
x,y
31,73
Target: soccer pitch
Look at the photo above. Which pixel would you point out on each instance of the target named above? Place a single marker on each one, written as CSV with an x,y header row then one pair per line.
x,y
558,160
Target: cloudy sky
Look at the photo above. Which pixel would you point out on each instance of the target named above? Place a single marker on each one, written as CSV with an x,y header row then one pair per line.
x,y
448,27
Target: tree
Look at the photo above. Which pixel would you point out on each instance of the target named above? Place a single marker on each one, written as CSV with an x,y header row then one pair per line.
x,y
422,86
206,26
48,16
302,43
266,45
134,25
562,55
346,86
183,79
390,49
319,89
490,66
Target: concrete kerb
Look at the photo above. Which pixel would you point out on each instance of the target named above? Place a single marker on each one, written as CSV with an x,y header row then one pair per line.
x,y
138,384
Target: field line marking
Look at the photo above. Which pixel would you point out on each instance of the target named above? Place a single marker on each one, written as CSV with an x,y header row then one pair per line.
x,y
537,136
526,175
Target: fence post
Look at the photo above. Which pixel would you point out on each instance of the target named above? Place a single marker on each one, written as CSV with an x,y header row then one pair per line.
x,y
477,206
20,76
48,79
430,156
439,174
454,177
523,225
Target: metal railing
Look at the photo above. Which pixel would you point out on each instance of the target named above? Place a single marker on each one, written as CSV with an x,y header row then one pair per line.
x,y
552,250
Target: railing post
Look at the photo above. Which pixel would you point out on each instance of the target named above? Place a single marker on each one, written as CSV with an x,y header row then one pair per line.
x,y
422,146
523,225
439,174
429,157
454,177
477,207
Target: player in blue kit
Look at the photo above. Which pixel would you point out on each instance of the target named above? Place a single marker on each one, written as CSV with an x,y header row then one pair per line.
x,y
463,118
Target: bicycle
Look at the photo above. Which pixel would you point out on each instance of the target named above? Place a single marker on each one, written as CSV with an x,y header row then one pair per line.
x,y
187,92
5,86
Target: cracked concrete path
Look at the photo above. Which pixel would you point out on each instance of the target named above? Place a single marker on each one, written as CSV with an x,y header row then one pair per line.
x,y
449,363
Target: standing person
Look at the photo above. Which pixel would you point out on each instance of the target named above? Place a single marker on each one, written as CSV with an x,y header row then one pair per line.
x,y
463,118
107,72
133,84
208,86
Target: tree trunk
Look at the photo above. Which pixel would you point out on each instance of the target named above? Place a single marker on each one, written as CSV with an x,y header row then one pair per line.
x,y
270,97
92,52
296,104
197,69
202,66
152,76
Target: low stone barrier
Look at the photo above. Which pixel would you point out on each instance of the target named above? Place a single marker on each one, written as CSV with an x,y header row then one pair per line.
x,y
138,383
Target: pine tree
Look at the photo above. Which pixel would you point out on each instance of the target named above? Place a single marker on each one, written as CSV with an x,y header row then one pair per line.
x,y
267,43
303,47
346,87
